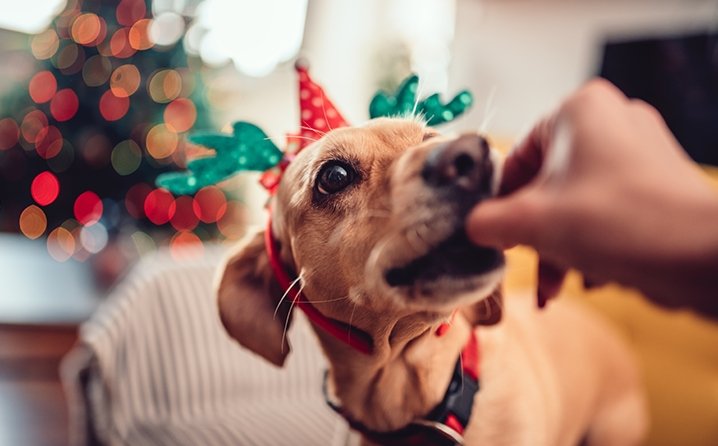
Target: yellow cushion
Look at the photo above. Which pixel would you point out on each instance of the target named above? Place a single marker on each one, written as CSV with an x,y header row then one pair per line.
x,y
678,352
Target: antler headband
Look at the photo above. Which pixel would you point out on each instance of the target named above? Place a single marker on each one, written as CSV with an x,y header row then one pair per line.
x,y
248,148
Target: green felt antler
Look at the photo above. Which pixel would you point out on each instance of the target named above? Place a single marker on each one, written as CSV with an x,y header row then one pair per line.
x,y
403,102
247,149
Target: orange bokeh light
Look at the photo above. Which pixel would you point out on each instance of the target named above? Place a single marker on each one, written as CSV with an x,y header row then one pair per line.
x,y
61,244
120,44
140,35
113,108
180,114
42,87
165,85
125,81
186,245
161,141
86,28
45,44
33,222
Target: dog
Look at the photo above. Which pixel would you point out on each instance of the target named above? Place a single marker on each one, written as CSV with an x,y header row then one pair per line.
x,y
370,222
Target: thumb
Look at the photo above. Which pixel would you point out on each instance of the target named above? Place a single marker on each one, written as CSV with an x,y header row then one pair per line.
x,y
504,222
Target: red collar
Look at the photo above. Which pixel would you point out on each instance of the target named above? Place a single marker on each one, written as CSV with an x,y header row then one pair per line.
x,y
351,336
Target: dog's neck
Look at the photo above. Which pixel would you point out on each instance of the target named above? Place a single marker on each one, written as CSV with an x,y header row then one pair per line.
x,y
405,377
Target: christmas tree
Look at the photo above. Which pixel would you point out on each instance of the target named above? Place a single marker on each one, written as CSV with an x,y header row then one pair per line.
x,y
106,111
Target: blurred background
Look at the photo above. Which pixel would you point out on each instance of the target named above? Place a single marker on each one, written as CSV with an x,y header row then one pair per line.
x,y
97,96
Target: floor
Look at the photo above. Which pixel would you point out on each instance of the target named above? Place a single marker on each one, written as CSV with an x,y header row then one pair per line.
x,y
32,403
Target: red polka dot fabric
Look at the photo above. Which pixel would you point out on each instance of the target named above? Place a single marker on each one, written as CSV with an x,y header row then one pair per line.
x,y
318,115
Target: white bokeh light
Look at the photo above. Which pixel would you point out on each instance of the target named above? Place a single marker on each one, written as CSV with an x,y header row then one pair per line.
x,y
256,36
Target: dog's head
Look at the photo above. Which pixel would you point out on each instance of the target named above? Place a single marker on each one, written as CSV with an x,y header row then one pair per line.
x,y
371,219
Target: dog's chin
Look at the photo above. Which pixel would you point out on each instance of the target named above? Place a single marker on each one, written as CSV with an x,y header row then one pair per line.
x,y
448,272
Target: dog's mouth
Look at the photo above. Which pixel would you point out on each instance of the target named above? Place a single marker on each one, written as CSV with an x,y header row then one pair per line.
x,y
454,258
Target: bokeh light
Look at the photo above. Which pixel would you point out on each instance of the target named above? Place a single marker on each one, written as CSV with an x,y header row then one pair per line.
x,y
88,208
42,87
184,218
67,56
126,157
9,133
161,141
130,11
48,142
164,86
233,223
159,206
139,35
135,199
125,81
143,243
45,44
112,107
33,222
209,204
45,188
180,114
120,44
167,28
32,123
186,245
64,105
86,28
94,238
96,71
95,150
61,244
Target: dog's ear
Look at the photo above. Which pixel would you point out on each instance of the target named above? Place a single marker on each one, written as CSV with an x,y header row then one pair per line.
x,y
247,298
487,311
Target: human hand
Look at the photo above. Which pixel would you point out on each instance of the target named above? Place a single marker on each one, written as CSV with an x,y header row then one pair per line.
x,y
602,185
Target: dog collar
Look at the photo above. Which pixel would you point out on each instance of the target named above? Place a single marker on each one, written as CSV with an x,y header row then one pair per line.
x,y
352,336
445,424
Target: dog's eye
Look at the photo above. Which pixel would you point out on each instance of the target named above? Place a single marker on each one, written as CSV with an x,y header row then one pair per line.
x,y
333,178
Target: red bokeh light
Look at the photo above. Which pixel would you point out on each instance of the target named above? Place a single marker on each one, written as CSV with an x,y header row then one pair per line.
x,y
9,133
135,199
42,87
88,208
186,245
64,105
113,108
184,218
130,11
31,125
160,206
45,188
209,204
48,142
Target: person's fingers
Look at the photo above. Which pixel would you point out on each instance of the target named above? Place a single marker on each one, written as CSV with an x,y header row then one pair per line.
x,y
550,280
505,222
526,158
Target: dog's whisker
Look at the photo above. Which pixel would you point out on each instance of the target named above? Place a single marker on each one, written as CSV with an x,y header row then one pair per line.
x,y
291,285
416,98
312,129
268,138
324,111
330,300
286,322
351,321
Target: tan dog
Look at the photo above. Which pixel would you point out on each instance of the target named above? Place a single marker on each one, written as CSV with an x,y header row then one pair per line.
x,y
371,218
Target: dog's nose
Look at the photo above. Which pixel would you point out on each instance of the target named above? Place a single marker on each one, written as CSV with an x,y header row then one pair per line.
x,y
463,164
